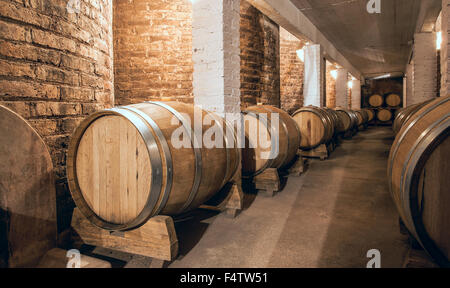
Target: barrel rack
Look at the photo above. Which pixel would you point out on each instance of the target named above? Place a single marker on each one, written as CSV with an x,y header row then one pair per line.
x,y
268,183
156,239
321,152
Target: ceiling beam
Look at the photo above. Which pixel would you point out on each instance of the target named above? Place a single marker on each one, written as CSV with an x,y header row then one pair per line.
x,y
287,15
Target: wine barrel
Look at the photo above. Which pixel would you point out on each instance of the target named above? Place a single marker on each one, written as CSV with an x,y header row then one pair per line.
x,y
384,115
335,119
124,167
348,119
362,117
371,114
316,126
418,173
376,100
405,114
393,100
281,151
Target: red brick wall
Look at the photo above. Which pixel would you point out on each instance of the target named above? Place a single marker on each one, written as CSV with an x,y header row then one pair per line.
x,y
153,50
291,71
56,68
330,86
260,58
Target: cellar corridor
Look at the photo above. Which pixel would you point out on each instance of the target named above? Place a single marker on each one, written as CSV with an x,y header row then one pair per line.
x,y
331,216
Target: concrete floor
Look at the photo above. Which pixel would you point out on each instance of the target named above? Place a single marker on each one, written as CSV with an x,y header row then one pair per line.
x,y
331,216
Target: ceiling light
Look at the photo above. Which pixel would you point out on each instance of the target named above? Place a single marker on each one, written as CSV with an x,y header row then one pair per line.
x,y
334,74
301,54
438,40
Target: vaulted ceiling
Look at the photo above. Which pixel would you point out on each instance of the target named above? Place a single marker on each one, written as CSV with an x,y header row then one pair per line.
x,y
374,43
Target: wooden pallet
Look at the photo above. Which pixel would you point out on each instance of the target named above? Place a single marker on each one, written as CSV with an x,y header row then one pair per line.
x,y
320,152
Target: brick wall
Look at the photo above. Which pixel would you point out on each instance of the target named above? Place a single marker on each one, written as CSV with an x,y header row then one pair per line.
x,y
260,60
153,50
56,68
330,86
291,72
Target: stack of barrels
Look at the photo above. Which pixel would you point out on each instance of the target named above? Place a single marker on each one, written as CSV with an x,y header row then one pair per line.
x,y
383,107
322,126
124,166
418,174
317,126
128,164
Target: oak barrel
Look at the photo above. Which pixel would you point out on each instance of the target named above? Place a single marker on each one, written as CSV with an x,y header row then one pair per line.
x,y
271,152
376,100
363,117
405,114
371,114
316,126
348,120
418,173
334,117
393,100
128,164
384,115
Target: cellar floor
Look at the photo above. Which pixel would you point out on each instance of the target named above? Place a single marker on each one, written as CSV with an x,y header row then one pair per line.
x,y
331,216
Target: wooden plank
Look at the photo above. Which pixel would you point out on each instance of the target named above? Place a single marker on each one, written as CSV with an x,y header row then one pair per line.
x,y
156,238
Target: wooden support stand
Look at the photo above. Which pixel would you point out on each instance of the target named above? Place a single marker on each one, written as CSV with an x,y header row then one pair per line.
x,y
320,152
299,166
233,203
156,238
268,182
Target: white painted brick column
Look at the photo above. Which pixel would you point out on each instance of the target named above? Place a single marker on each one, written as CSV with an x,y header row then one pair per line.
x,y
424,69
314,82
216,55
356,94
409,83
342,88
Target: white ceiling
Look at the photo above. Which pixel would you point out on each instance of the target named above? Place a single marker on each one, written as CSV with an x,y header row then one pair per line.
x,y
374,43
